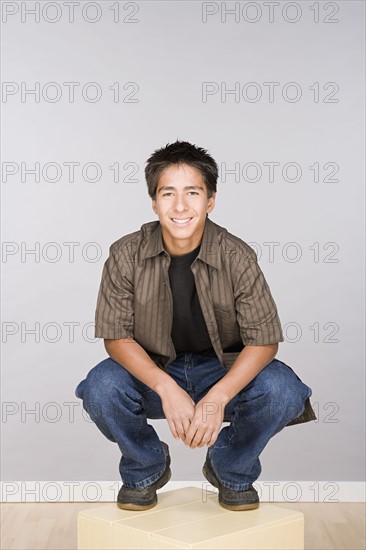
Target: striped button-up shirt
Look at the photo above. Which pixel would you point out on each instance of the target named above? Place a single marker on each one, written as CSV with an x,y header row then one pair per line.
x,y
135,299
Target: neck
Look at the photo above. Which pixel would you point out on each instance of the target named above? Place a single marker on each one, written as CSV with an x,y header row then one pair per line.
x,y
184,246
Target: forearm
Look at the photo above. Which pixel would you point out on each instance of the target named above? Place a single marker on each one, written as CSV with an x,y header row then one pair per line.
x,y
128,353
249,363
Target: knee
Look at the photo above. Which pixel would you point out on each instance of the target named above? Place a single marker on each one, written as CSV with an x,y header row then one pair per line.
x,y
99,383
284,389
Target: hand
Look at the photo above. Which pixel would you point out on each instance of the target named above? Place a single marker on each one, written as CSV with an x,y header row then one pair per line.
x,y
206,423
179,409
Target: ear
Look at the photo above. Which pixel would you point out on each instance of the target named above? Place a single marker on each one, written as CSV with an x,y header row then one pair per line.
x,y
153,204
211,203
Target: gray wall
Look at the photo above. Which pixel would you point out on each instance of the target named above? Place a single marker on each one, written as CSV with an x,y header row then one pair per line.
x,y
161,54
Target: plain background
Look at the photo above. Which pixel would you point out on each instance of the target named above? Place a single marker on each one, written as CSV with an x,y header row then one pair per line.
x,y
316,273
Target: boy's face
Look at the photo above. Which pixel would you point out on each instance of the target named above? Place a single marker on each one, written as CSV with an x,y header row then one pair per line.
x,y
181,204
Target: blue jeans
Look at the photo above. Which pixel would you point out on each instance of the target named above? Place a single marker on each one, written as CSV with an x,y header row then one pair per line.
x,y
120,405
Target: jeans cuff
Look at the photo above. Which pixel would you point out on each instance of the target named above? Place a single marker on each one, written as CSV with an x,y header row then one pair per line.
x,y
145,482
236,486
230,485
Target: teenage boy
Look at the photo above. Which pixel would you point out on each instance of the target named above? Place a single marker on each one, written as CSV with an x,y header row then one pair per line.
x,y
191,330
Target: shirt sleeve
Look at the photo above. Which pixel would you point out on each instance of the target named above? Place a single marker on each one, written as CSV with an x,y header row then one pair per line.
x,y
256,310
114,315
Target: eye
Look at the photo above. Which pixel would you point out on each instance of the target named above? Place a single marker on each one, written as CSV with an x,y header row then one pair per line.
x,y
167,194
193,193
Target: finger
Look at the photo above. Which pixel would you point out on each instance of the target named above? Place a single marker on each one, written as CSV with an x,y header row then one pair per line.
x,y
186,425
173,429
196,440
205,441
213,439
190,435
181,431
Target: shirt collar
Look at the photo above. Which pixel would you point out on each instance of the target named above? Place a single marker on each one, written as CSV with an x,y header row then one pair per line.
x,y
209,251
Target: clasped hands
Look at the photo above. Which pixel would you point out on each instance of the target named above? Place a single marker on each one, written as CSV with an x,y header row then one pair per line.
x,y
195,424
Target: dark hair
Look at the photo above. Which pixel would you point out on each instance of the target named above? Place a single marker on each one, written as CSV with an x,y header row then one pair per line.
x,y
181,152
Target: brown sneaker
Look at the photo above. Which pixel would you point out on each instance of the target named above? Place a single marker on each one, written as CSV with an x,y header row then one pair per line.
x,y
131,498
228,498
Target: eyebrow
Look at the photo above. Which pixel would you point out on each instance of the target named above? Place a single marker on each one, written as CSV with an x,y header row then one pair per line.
x,y
188,187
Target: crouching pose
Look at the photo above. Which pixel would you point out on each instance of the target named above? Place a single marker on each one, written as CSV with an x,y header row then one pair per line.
x,y
191,331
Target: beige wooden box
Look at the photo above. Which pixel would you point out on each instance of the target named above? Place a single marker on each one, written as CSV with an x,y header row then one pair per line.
x,y
190,518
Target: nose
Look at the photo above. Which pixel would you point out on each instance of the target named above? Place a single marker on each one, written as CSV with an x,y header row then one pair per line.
x,y
180,203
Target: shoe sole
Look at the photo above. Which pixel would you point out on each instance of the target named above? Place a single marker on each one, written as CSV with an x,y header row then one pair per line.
x,y
140,507
234,508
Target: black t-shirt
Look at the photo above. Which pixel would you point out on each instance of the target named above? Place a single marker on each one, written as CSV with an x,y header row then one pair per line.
x,y
189,332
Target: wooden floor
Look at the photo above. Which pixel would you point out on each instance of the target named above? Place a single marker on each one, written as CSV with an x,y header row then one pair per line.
x,y
53,526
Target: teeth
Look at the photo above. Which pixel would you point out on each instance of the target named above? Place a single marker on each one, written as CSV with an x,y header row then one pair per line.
x,y
181,221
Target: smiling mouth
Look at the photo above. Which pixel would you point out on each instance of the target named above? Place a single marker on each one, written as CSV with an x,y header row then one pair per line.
x,y
181,221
